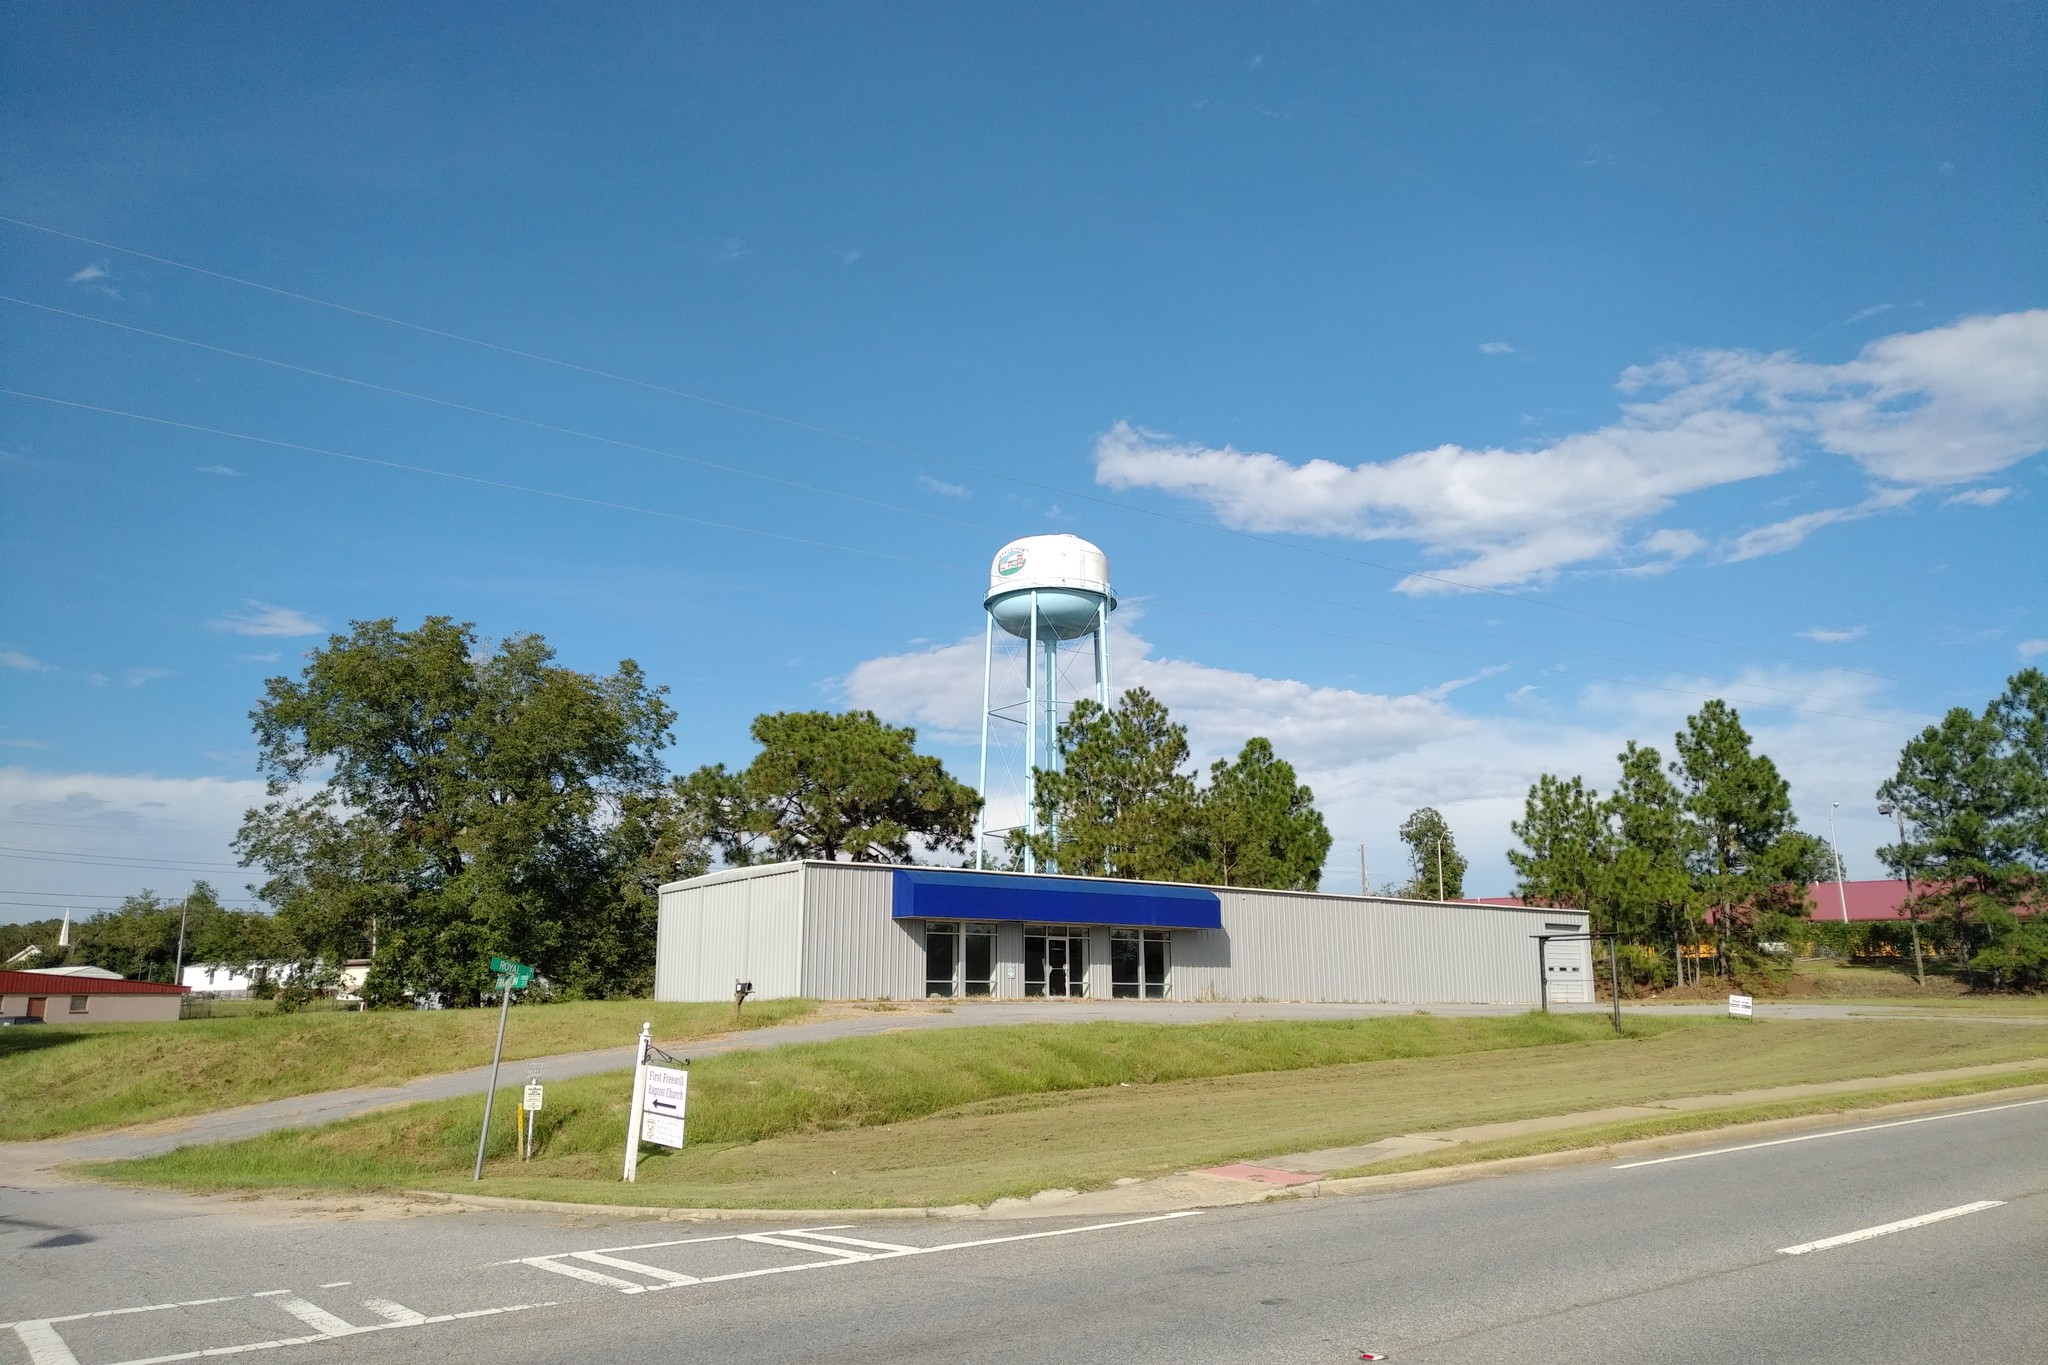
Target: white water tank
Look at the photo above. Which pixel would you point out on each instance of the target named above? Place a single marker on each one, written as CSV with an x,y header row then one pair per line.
x,y
1068,576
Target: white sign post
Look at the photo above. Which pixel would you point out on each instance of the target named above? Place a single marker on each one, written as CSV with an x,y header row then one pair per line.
x,y
660,1101
1741,1007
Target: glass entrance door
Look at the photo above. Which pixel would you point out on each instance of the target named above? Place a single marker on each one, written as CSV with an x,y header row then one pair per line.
x,y
1055,960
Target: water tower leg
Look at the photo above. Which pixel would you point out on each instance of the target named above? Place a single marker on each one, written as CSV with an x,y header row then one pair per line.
x,y
1031,737
1102,654
988,657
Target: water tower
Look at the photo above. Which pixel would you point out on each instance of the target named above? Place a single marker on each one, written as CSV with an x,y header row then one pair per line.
x,y
1048,597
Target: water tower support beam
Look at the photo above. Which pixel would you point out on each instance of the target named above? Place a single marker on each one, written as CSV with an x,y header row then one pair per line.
x,y
988,655
1102,654
1031,738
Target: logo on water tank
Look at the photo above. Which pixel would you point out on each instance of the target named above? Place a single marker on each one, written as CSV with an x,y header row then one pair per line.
x,y
1009,562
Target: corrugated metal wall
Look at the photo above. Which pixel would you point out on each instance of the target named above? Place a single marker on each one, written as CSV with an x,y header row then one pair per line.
x,y
1282,946
824,930
853,950
744,925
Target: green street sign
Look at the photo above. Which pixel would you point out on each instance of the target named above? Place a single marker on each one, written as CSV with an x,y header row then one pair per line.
x,y
511,975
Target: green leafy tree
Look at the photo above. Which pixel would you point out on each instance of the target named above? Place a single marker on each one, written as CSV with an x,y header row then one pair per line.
x,y
1741,811
1568,848
1971,788
1436,868
1651,884
1258,826
829,785
469,804
1122,805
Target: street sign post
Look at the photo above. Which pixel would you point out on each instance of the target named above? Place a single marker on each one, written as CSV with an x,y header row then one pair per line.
x,y
511,977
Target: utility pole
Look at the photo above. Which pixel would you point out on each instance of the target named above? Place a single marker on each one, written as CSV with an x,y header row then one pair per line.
x,y
1893,809
1834,847
1364,886
178,971
1439,867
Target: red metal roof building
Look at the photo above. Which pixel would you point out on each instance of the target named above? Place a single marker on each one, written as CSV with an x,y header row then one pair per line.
x,y
57,997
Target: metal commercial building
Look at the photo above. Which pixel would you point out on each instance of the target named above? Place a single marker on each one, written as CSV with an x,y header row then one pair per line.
x,y
865,931
76,997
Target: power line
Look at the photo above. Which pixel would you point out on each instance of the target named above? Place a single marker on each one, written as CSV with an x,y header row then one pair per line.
x,y
850,497
908,452
475,479
950,569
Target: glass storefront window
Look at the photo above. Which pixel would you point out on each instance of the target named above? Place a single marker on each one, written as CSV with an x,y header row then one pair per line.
x,y
1137,964
959,959
941,959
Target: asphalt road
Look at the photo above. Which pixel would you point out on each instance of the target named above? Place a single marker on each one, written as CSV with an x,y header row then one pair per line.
x,y
1683,1260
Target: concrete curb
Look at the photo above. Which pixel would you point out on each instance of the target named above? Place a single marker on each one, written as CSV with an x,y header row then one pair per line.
x,y
656,1213
1760,1129
1392,1183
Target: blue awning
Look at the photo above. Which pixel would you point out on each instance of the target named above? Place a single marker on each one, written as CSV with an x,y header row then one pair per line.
x,y
922,893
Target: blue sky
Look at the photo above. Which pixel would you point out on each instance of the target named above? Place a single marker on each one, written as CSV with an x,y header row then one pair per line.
x,y
1708,342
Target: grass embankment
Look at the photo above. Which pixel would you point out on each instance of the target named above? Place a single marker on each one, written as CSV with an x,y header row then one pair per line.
x,y
968,1116
93,1076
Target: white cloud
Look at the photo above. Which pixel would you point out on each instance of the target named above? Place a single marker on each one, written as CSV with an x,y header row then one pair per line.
x,y
23,663
137,815
92,277
1821,635
222,470
1865,314
1372,758
942,488
1495,348
1976,497
262,618
1943,406
27,744
1517,515
2033,649
1781,536
1915,410
136,677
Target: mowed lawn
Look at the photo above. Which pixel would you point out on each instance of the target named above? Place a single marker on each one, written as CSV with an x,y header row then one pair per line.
x,y
973,1115
94,1076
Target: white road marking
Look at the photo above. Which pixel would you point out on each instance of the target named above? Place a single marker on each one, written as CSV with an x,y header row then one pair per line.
x,y
844,1253
338,1284
795,1240
1815,1137
45,1347
810,1236
577,1272
315,1317
149,1308
1865,1234
652,1272
392,1312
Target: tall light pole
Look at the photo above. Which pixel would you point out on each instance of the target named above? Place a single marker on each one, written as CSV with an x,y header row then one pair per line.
x,y
1364,886
178,970
1893,809
1835,847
